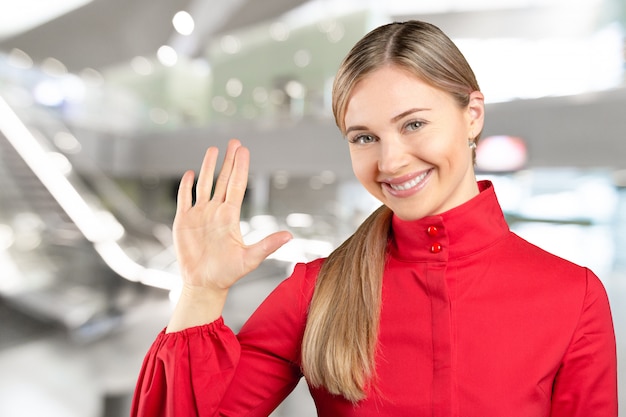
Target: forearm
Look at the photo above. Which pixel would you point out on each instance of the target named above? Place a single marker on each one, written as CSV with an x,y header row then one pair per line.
x,y
197,306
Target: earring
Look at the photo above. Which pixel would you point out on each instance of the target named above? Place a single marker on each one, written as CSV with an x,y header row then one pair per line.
x,y
471,144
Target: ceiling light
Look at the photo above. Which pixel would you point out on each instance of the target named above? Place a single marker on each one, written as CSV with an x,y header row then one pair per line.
x,y
328,177
302,58
230,44
20,59
336,33
53,67
219,103
183,23
48,93
92,76
260,95
141,65
279,31
234,87
295,89
167,56
67,142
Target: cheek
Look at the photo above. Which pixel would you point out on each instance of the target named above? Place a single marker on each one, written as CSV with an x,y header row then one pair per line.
x,y
458,161
453,151
362,166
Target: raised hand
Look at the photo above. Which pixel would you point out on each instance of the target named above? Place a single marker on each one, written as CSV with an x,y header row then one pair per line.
x,y
207,237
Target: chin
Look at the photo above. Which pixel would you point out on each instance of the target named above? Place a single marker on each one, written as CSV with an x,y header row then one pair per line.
x,y
410,209
408,215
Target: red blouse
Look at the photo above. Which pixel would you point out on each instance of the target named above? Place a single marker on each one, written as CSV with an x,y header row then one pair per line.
x,y
475,322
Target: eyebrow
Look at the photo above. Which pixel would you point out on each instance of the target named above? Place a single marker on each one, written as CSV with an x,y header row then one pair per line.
x,y
393,119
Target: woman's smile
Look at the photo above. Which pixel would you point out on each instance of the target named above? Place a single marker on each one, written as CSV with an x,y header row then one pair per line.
x,y
407,185
409,142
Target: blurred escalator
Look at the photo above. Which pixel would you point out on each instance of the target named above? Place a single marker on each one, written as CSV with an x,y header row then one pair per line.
x,y
65,257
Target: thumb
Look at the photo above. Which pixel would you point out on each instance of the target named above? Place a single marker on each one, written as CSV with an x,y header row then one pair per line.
x,y
266,246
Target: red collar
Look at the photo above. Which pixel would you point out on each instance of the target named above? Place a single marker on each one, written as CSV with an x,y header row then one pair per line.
x,y
461,231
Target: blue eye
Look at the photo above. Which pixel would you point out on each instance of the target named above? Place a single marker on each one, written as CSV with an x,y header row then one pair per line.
x,y
362,139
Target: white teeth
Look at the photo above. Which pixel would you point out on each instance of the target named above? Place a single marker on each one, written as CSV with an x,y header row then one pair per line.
x,y
409,184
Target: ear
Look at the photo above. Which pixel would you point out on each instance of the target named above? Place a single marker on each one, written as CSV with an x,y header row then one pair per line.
x,y
476,113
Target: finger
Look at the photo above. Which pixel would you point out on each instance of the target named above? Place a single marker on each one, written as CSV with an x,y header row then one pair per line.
x,y
205,178
183,197
238,182
265,247
221,184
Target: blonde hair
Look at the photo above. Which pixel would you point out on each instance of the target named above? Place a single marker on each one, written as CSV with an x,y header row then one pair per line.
x,y
341,335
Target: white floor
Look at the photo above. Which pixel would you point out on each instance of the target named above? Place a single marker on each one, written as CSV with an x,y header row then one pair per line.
x,y
55,376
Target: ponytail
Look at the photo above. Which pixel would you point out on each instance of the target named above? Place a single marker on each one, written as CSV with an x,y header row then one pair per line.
x,y
340,339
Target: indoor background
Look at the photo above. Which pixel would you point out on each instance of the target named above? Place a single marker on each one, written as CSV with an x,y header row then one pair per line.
x,y
105,103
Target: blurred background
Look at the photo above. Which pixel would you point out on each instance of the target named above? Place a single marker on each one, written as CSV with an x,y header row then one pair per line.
x,y
105,103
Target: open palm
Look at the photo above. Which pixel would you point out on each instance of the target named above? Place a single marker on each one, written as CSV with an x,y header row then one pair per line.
x,y
207,236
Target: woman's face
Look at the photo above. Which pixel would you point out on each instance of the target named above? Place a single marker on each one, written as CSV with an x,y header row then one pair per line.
x,y
409,143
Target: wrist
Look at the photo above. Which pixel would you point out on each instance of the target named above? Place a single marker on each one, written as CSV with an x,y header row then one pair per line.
x,y
197,306
198,294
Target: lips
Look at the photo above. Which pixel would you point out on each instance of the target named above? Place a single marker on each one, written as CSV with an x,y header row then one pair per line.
x,y
409,184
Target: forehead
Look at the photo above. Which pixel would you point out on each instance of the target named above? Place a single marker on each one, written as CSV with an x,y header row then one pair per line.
x,y
389,91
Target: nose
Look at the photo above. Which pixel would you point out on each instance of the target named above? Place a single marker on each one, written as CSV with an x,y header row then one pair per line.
x,y
393,155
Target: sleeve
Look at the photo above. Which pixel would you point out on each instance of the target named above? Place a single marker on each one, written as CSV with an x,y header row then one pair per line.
x,y
208,371
269,368
586,383
186,373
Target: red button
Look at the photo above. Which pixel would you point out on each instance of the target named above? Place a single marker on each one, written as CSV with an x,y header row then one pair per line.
x,y
432,231
436,248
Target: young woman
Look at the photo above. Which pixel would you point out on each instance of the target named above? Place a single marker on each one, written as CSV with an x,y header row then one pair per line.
x,y
432,308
